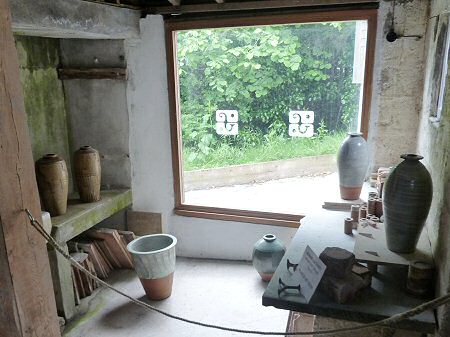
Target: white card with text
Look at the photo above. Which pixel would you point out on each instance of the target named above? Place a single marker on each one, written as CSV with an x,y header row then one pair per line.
x,y
311,270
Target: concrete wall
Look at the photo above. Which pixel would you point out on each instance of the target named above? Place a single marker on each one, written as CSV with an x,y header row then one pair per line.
x,y
151,158
434,144
97,108
73,19
398,82
44,97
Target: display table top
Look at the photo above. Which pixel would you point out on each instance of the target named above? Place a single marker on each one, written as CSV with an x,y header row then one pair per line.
x,y
387,295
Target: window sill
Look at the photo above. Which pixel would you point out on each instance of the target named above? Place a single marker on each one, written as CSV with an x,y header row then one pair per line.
x,y
227,214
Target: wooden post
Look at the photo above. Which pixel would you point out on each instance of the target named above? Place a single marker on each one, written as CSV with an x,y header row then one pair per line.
x,y
27,303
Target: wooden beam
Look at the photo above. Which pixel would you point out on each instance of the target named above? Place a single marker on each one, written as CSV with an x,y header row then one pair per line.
x,y
93,73
26,294
251,5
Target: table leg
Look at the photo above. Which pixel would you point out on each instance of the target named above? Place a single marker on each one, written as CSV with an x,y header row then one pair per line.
x,y
62,283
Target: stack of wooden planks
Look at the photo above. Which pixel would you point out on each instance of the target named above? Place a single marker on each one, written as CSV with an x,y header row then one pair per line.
x,y
100,251
82,284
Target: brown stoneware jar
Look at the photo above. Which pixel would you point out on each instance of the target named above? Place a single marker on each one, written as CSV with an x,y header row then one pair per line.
x,y
88,173
53,183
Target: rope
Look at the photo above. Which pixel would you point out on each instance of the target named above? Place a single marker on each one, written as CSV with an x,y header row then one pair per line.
x,y
388,322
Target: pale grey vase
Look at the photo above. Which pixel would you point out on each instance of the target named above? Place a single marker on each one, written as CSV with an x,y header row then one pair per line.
x,y
267,254
353,161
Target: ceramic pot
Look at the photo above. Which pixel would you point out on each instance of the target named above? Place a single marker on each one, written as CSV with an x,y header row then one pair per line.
x,y
267,254
406,202
88,173
353,161
53,183
154,262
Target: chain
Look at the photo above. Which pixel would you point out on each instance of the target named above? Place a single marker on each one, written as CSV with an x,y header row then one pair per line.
x,y
388,322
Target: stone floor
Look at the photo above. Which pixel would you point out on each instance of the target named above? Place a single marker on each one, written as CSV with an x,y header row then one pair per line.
x,y
214,291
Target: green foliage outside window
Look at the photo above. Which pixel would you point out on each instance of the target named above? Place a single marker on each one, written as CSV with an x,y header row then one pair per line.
x,y
264,72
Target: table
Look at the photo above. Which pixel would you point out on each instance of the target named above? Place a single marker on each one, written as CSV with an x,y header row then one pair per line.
x,y
386,296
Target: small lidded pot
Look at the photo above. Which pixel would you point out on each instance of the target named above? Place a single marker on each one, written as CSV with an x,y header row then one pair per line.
x,y
267,254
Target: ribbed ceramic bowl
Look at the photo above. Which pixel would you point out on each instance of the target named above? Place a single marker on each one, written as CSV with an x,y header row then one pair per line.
x,y
153,255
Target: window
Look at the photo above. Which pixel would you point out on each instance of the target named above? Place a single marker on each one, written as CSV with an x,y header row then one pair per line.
x,y
249,99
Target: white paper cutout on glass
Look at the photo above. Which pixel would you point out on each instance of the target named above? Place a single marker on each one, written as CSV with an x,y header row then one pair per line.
x,y
301,123
227,122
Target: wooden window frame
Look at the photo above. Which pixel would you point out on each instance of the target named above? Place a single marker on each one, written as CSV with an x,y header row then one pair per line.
x,y
172,26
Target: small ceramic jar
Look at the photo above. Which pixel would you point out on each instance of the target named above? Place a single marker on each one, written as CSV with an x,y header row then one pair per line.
x,y
267,254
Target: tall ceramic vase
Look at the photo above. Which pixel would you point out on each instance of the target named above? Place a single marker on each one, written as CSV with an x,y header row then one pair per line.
x,y
267,254
88,173
353,161
53,183
407,197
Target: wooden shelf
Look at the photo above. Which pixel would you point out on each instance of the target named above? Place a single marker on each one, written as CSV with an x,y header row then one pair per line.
x,y
82,216
93,74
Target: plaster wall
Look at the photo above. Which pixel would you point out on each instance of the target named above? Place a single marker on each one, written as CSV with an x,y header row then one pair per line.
x,y
398,82
152,178
434,144
44,97
394,118
72,19
97,108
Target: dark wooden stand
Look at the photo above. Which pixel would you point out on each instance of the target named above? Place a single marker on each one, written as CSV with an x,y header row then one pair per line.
x,y
387,295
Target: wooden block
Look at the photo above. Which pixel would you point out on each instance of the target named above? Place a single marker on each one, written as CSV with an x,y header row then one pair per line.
x,y
342,290
110,256
339,261
87,285
79,283
103,262
363,272
110,246
75,288
79,257
107,264
144,223
115,244
127,235
82,278
94,258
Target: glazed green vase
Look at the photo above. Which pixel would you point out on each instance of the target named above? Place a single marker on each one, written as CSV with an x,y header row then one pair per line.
x,y
407,197
267,254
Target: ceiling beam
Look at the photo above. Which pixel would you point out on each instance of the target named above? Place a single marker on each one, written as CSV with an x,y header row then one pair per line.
x,y
250,5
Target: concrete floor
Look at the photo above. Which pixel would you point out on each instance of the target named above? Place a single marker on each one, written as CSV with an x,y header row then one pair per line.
x,y
214,291
298,195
